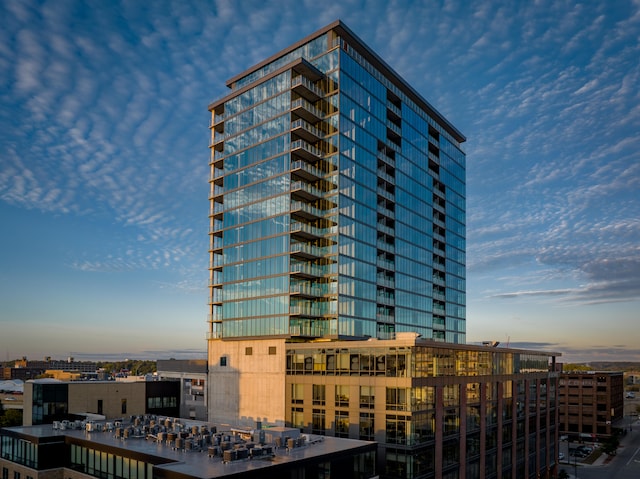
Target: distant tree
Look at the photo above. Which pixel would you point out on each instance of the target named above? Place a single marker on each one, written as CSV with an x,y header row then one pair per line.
x,y
135,367
576,367
11,417
563,474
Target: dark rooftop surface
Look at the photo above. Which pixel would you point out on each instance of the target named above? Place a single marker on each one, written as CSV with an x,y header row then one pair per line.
x,y
194,460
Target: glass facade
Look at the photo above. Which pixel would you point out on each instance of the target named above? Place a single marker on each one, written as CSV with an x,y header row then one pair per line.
x,y
435,410
337,202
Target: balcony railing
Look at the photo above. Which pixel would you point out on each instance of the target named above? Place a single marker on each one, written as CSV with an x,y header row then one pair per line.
x,y
383,263
304,87
308,249
307,290
394,108
309,269
385,194
306,190
306,110
386,281
305,150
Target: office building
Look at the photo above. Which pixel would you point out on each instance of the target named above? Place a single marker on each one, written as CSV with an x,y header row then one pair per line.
x,y
436,410
192,375
49,400
591,404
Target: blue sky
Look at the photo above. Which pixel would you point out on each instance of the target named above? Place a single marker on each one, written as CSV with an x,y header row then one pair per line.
x,y
104,162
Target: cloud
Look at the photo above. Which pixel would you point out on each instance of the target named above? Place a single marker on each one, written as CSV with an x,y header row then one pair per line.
x,y
104,117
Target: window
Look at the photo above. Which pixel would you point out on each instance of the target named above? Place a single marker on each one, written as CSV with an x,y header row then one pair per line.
x,y
367,397
248,351
342,424
397,428
5,473
99,406
223,361
317,422
342,396
16,475
272,350
297,417
123,407
319,394
367,431
397,399
297,393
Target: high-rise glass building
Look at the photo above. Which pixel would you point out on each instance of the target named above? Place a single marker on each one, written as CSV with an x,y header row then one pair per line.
x,y
337,202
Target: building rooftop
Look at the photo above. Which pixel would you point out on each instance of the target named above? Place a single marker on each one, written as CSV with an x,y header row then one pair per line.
x,y
192,454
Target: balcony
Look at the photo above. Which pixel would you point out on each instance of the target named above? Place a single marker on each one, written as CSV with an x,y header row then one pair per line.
x,y
438,251
305,210
306,89
386,212
391,139
386,281
385,194
386,299
394,109
394,128
305,110
306,191
216,245
306,131
309,310
387,159
439,207
304,150
307,270
307,251
439,296
385,229
306,331
438,280
387,177
439,236
385,317
216,193
384,246
216,298
308,232
304,171
439,266
385,264
218,143
306,290
217,209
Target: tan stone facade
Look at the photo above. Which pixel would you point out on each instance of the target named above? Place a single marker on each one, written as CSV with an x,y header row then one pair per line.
x,y
247,381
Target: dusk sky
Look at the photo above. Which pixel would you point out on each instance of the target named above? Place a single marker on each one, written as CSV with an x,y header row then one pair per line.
x,y
104,162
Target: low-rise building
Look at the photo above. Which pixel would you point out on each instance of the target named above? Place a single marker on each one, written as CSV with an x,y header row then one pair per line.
x,y
153,447
192,374
49,400
591,404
